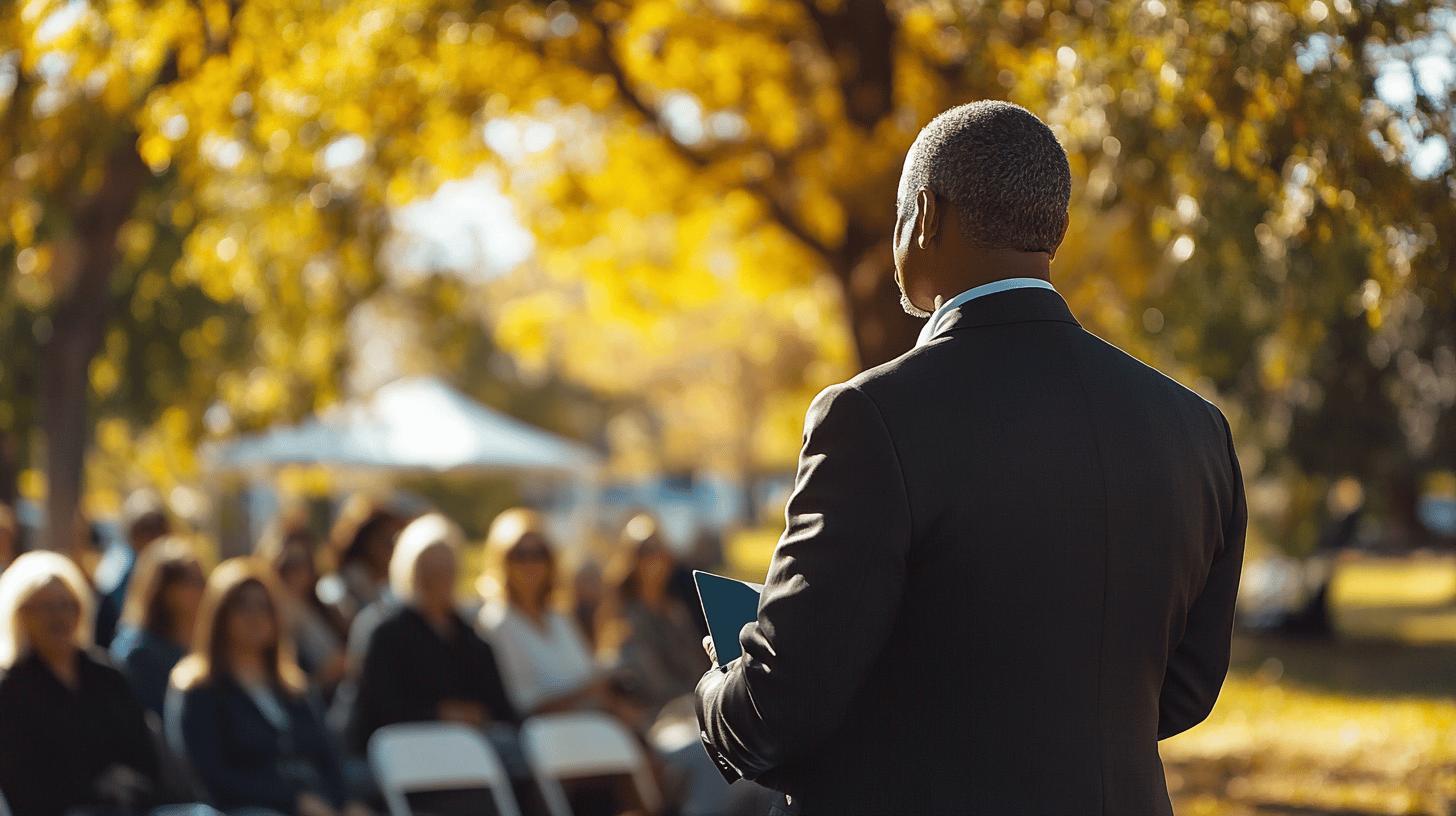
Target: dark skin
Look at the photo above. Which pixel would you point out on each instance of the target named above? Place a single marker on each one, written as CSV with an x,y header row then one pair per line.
x,y
934,261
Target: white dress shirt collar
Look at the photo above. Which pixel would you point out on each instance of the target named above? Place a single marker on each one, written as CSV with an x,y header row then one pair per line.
x,y
937,318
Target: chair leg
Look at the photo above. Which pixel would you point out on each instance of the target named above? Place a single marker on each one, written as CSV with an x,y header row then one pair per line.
x,y
556,802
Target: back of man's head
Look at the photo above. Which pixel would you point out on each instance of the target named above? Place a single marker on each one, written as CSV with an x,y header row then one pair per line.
x,y
1003,170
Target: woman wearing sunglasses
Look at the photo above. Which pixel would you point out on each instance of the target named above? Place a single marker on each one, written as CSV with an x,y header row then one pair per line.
x,y
544,658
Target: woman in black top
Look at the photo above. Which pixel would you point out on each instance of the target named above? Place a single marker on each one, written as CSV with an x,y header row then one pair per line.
x,y
71,733
238,710
424,661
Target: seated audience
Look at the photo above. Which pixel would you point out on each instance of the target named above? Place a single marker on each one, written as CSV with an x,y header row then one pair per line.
x,y
361,542
144,520
423,661
238,709
289,546
543,658
645,633
156,623
72,736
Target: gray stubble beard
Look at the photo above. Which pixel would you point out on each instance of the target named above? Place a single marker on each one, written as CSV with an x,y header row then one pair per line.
x,y
910,308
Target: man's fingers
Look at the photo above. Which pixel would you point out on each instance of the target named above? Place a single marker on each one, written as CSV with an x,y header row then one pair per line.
x,y
708,647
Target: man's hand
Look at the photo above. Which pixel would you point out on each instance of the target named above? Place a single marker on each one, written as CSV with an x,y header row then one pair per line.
x,y
712,653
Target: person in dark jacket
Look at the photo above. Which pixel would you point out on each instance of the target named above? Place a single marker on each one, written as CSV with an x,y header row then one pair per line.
x,y
238,711
424,662
157,622
71,733
1011,553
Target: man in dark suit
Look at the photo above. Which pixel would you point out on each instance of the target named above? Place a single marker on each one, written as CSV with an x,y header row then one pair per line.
x,y
1011,554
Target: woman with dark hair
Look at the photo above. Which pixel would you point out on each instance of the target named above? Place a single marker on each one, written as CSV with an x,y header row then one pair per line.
x,y
72,736
647,636
291,547
544,659
238,710
644,632
361,543
157,620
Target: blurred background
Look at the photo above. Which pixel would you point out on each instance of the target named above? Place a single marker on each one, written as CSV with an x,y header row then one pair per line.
x,y
596,257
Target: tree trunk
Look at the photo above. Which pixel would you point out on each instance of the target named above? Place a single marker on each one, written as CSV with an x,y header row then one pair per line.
x,y
64,390
9,466
77,329
882,331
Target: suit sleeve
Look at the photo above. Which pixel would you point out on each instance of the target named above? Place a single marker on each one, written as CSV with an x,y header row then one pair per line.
x,y
1197,667
832,595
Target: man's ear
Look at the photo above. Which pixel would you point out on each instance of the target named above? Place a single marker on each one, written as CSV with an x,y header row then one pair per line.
x,y
1052,253
927,217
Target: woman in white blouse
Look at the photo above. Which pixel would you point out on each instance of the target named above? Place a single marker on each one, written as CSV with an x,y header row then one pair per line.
x,y
544,659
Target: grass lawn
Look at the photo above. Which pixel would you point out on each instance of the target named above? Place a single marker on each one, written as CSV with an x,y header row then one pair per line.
x,y
1323,728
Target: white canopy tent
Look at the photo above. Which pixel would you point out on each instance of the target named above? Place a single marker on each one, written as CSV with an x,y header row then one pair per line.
x,y
412,426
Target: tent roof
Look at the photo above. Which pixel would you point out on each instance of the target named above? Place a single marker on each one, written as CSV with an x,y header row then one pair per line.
x,y
417,424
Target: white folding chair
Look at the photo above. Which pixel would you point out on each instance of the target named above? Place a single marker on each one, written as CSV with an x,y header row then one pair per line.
x,y
584,743
411,757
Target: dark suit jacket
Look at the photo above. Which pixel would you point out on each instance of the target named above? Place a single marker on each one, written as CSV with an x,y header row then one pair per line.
x,y
241,759
1009,570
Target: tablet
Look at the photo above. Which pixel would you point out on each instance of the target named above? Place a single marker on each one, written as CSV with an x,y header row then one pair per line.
x,y
727,605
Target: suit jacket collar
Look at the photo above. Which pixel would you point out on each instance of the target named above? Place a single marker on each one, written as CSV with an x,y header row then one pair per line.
x,y
1013,306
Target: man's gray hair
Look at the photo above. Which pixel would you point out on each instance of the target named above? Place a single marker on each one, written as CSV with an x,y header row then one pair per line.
x,y
1001,166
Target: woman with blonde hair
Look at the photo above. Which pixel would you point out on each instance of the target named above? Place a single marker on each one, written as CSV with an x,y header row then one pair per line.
x,y
544,659
238,710
423,661
156,622
71,733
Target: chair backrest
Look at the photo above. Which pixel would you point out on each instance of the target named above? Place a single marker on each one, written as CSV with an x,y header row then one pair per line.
x,y
410,757
584,743
4,808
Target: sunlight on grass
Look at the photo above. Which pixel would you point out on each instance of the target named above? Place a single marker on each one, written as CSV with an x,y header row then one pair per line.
x,y
1408,599
1271,748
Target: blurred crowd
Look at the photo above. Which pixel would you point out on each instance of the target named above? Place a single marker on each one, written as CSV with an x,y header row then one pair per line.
x,y
150,681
